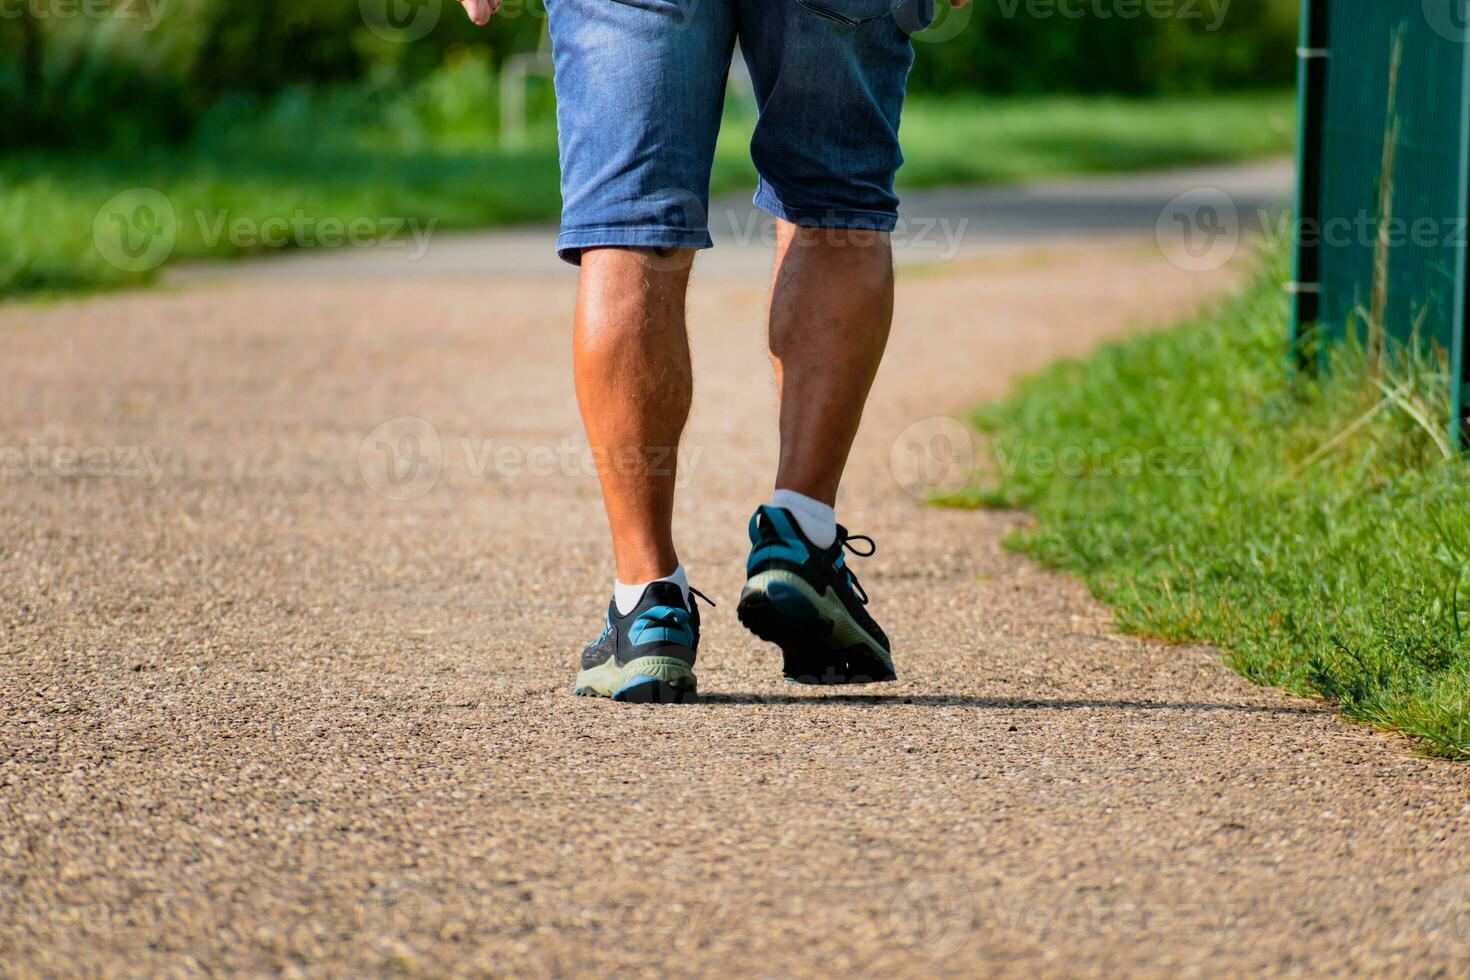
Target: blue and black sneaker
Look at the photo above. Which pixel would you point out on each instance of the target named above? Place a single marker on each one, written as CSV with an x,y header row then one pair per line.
x,y
646,656
807,601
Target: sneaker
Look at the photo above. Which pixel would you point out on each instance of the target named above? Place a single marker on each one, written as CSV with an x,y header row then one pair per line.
x,y
647,656
808,602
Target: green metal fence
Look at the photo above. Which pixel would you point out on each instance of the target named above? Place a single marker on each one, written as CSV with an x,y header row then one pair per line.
x,y
1383,195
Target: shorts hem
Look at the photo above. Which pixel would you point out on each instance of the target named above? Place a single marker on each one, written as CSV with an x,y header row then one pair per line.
x,y
767,201
570,244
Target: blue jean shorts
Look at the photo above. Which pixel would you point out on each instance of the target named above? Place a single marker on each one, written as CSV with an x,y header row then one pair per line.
x,y
640,90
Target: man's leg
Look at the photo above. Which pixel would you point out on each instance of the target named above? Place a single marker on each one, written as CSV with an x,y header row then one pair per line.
x,y
631,362
829,78
634,384
640,90
831,309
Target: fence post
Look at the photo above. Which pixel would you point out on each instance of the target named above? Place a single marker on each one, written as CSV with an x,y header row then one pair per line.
x,y
1311,82
1459,379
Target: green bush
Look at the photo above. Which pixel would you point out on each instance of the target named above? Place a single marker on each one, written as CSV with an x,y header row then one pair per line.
x,y
1127,46
136,78
423,152
133,80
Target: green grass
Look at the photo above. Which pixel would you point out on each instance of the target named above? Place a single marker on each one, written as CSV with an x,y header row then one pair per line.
x,y
958,141
324,170
1207,497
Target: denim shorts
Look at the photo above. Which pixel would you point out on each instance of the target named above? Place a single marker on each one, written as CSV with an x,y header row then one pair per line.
x,y
640,90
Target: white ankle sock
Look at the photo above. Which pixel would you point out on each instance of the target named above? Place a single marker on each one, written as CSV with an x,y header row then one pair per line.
x,y
626,596
818,521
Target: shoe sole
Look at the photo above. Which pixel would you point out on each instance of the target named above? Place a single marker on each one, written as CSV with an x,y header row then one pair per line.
x,y
647,680
820,642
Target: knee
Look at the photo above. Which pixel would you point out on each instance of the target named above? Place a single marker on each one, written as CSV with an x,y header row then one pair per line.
x,y
631,296
647,262
848,247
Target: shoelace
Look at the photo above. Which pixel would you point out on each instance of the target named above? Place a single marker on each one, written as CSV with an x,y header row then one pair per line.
x,y
845,540
694,591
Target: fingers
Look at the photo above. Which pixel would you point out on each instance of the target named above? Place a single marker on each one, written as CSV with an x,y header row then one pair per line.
x,y
958,3
480,10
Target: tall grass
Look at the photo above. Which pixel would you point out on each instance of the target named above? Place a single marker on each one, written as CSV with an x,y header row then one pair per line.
x,y
1315,528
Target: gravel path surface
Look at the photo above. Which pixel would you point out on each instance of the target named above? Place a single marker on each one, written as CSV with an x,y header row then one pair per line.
x,y
266,710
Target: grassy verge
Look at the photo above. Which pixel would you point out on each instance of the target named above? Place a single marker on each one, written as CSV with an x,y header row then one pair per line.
x,y
317,176
1317,531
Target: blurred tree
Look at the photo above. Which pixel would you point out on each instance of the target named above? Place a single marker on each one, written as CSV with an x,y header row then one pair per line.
x,y
265,45
117,79
1129,46
30,54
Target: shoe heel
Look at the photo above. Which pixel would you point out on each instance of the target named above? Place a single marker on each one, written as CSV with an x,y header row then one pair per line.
x,y
643,689
778,612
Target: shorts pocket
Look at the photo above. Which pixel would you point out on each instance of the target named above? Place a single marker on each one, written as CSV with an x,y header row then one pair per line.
x,y
850,13
910,15
683,9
